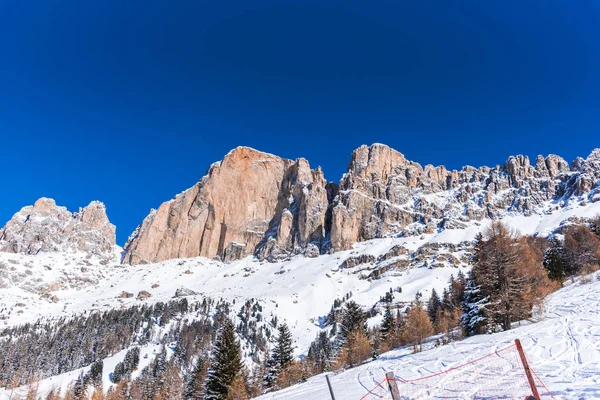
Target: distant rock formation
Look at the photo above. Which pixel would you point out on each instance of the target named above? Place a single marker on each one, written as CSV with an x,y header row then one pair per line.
x,y
382,193
46,227
249,202
253,203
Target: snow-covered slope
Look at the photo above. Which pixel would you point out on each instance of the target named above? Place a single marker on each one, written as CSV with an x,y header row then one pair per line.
x,y
300,290
563,348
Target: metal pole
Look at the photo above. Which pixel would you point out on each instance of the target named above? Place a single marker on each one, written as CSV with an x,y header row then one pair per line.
x,y
534,390
330,388
391,380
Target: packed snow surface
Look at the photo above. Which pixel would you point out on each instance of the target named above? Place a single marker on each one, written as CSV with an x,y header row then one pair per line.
x,y
563,348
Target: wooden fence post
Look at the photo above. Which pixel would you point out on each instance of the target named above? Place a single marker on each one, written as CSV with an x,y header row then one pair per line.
x,y
330,388
391,380
534,390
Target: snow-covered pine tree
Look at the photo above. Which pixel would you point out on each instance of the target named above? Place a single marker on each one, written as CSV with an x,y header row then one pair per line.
x,y
353,318
500,270
354,323
124,368
474,319
281,356
388,323
321,352
225,363
132,359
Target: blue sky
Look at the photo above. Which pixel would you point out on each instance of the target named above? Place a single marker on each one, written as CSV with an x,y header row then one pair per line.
x,y
130,101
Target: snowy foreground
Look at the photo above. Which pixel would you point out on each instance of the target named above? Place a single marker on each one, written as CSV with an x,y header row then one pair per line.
x,y
563,348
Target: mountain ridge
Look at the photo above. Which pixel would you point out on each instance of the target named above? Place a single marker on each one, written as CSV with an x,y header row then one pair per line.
x,y
313,216
256,203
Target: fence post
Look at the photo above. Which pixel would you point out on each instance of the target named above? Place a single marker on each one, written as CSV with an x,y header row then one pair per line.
x,y
330,388
391,380
534,390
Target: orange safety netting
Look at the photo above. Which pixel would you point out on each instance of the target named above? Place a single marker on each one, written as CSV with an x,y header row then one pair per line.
x,y
499,375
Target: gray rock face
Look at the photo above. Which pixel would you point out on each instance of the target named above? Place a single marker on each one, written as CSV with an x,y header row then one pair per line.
x,y
382,193
46,227
253,203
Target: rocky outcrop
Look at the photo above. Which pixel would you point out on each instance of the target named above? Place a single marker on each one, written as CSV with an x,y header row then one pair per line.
x,y
253,203
250,202
46,227
384,194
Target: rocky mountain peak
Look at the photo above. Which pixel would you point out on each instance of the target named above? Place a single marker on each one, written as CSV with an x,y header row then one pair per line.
x,y
384,194
46,227
254,203
249,202
44,204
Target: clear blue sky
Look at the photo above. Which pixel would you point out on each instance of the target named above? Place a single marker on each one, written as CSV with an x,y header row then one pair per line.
x,y
130,101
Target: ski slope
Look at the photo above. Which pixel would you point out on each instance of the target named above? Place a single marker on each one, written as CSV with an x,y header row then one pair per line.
x,y
563,348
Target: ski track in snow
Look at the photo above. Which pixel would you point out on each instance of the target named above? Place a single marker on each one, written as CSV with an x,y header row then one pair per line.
x,y
563,349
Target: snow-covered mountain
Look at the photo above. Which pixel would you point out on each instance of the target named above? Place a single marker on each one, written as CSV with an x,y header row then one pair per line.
x,y
274,232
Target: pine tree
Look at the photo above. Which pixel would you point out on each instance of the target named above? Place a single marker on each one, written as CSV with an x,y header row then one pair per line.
x,y
119,373
474,320
225,363
499,277
281,356
283,352
321,352
160,363
132,359
95,374
388,323
554,260
433,305
353,319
